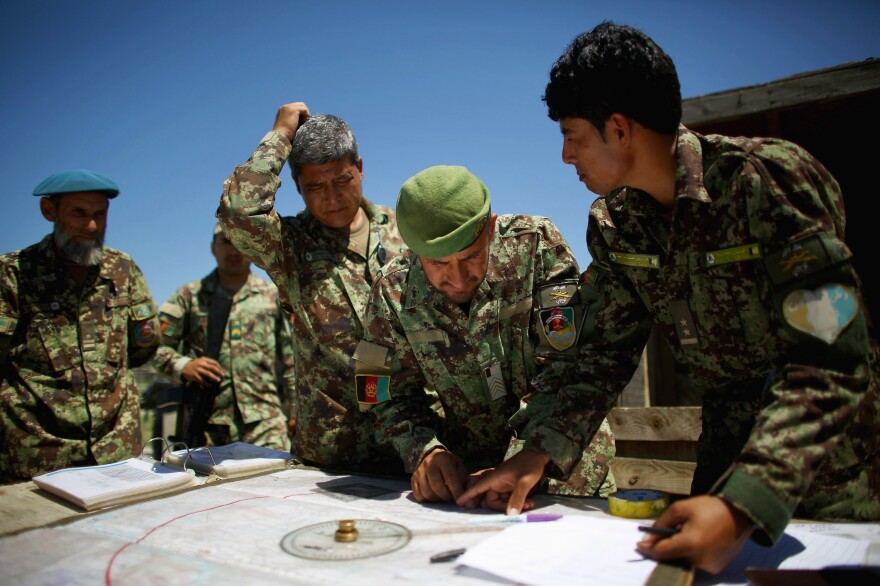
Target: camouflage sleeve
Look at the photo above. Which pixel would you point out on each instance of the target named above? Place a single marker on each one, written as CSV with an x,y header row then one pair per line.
x,y
247,206
143,327
824,366
404,418
8,316
613,327
174,314
284,345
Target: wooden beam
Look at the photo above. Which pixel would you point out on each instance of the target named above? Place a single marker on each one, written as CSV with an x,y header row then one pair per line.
x,y
812,87
667,475
656,423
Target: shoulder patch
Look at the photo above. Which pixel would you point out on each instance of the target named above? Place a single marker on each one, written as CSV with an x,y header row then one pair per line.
x,y
558,327
822,313
143,311
171,309
557,294
7,324
801,258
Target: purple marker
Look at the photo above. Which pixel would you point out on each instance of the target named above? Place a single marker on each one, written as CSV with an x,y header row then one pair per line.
x,y
505,519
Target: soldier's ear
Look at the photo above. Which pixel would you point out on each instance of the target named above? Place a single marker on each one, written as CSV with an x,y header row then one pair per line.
x,y
48,209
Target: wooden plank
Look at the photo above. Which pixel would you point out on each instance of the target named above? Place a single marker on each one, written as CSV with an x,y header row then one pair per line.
x,y
812,87
671,574
656,423
667,475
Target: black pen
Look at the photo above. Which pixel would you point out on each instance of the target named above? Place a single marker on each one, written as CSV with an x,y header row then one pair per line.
x,y
447,556
662,531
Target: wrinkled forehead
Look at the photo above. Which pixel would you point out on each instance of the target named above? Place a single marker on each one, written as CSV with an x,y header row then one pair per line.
x,y
322,172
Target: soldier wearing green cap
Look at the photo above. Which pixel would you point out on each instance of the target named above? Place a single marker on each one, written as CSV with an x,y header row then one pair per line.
x,y
483,312
75,317
323,261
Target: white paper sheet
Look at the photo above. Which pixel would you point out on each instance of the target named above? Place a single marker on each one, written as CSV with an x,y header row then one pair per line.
x,y
572,550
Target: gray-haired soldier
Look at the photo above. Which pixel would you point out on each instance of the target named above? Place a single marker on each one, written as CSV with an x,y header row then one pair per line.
x,y
75,318
323,261
484,312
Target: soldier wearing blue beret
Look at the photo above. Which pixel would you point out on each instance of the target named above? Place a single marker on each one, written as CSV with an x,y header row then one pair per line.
x,y
75,317
733,249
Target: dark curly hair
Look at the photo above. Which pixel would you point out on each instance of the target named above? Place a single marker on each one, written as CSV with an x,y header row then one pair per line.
x,y
615,68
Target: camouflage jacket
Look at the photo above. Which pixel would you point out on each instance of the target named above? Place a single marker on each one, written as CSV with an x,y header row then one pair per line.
x,y
494,370
751,283
67,393
256,353
324,286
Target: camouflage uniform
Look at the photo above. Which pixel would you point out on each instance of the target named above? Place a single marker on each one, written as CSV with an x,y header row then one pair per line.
x,y
325,287
521,330
256,351
732,279
67,393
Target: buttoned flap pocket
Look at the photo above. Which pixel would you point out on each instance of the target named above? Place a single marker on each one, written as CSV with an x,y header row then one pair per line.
x,y
316,266
48,347
729,306
517,312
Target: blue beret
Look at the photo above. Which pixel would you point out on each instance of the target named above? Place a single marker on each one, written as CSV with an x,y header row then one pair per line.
x,y
77,180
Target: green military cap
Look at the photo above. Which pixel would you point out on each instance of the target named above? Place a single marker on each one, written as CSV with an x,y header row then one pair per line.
x,y
75,180
442,210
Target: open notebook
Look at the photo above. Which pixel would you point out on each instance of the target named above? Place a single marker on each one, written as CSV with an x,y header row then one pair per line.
x,y
100,486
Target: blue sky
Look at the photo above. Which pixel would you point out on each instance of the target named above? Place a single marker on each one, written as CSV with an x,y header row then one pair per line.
x,y
166,97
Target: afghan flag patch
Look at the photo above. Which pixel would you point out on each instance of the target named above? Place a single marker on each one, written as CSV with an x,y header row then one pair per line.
x,y
372,389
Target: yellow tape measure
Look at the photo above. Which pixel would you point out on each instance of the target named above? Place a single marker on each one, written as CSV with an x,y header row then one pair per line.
x,y
637,504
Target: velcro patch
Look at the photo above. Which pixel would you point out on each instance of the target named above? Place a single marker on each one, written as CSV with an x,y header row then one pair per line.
x,y
144,310
372,389
7,324
798,259
558,327
558,294
370,353
822,313
171,309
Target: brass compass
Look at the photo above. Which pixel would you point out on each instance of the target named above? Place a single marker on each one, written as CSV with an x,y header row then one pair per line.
x,y
349,539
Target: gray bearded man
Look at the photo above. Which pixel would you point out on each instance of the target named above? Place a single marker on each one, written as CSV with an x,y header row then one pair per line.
x,y
75,317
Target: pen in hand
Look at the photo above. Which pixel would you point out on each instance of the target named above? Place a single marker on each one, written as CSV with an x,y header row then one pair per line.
x,y
661,531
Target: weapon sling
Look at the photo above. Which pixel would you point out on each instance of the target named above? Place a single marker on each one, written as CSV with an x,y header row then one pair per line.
x,y
202,398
